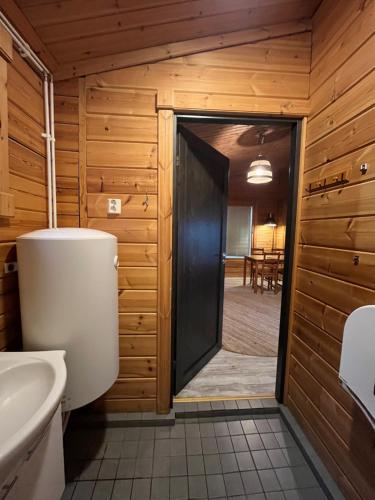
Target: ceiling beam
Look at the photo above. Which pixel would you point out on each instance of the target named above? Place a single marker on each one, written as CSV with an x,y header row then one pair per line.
x,y
24,28
178,49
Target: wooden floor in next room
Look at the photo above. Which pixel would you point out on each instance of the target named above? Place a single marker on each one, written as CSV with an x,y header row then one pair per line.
x,y
246,364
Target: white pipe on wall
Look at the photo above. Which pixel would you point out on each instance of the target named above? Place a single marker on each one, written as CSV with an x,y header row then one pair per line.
x,y
23,47
53,156
27,53
47,136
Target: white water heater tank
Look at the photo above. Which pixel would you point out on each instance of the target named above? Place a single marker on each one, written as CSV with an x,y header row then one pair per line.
x,y
68,294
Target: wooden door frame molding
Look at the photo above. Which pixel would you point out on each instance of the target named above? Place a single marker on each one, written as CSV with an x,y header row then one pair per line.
x,y
296,214
166,126
168,114
7,206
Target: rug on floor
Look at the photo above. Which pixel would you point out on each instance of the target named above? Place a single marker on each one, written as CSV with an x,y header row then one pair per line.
x,y
250,321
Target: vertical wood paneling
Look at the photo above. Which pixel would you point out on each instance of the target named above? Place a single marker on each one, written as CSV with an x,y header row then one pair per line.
x,y
336,225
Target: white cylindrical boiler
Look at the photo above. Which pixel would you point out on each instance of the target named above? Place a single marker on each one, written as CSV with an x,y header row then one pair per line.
x,y
68,294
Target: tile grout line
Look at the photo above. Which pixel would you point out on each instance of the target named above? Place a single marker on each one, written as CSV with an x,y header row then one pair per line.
x,y
320,471
261,429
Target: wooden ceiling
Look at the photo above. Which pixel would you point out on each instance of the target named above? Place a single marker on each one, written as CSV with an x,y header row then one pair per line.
x,y
240,144
81,30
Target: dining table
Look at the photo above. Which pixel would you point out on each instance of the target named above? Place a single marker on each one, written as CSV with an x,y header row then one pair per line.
x,y
254,260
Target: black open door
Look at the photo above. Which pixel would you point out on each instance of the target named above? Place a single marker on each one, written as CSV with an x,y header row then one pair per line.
x,y
199,249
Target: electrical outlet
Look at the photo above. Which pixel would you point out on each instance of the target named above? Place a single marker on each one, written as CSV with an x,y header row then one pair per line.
x,y
10,267
113,206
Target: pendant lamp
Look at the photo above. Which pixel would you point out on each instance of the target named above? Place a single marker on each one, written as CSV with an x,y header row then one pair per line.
x,y
260,170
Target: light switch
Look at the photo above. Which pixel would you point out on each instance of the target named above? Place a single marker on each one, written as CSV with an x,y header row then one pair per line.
x,y
113,206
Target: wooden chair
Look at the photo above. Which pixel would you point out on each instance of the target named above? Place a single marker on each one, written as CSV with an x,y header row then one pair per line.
x,y
280,276
280,282
280,272
281,251
268,272
255,251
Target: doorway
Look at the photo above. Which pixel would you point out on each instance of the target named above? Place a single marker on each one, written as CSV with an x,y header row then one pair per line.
x,y
230,307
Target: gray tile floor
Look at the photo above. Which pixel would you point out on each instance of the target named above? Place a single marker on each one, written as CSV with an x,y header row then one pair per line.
x,y
198,458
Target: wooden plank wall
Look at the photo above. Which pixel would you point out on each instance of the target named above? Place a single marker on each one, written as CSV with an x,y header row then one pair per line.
x,y
336,226
266,236
121,147
119,154
116,135
27,167
67,137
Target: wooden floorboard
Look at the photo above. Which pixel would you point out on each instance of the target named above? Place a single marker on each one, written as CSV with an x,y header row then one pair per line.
x,y
231,374
251,321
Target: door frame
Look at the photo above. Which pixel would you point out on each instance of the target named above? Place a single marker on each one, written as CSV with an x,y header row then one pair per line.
x,y
294,174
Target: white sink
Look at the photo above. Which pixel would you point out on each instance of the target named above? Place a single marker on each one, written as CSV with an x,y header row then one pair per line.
x,y
31,388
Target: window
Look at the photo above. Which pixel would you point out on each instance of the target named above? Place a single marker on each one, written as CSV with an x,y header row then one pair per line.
x,y
239,226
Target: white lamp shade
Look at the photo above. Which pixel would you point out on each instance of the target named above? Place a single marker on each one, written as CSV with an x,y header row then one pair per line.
x,y
260,172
